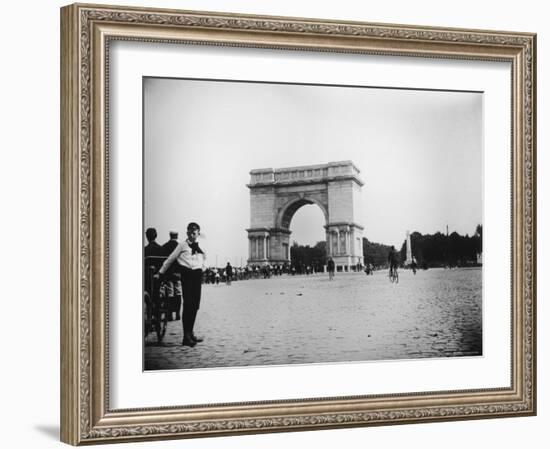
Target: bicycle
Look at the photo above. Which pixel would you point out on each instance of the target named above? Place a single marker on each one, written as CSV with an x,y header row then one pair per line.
x,y
394,275
155,307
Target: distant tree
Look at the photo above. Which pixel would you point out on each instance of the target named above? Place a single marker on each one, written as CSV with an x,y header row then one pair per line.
x,y
304,256
321,246
479,231
375,253
478,236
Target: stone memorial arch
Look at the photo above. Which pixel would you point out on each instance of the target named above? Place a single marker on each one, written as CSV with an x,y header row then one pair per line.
x,y
276,195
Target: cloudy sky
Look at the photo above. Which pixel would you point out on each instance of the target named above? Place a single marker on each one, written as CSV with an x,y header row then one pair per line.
x,y
419,152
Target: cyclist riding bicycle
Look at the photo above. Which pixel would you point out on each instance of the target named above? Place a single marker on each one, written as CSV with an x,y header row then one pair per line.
x,y
392,260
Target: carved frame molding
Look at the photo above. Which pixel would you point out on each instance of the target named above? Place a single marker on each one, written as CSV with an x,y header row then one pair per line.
x,y
87,31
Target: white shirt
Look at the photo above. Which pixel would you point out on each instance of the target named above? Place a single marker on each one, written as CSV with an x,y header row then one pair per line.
x,y
185,257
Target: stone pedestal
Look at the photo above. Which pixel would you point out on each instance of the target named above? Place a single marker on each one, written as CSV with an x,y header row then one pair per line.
x,y
345,245
268,246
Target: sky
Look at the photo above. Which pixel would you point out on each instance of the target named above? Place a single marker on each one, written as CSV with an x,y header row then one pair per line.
x,y
420,154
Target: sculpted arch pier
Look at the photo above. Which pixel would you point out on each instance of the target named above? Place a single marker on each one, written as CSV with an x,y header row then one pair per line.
x,y
276,195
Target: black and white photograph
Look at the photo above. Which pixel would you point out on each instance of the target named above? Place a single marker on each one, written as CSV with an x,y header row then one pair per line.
x,y
306,223
275,224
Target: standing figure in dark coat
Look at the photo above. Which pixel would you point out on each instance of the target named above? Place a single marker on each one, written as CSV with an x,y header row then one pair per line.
x,y
330,268
173,299
171,244
228,273
152,258
152,248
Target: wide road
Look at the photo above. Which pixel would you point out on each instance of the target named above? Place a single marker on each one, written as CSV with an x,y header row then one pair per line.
x,y
309,319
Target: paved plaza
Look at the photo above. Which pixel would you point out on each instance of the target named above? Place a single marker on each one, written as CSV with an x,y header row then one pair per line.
x,y
309,319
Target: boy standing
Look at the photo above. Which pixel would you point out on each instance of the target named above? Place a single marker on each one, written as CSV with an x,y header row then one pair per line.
x,y
189,261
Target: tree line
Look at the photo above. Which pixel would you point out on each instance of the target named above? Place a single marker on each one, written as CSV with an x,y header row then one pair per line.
x,y
441,250
429,250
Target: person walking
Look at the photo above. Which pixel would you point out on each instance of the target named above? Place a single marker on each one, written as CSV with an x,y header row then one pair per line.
x,y
414,265
189,260
330,268
228,273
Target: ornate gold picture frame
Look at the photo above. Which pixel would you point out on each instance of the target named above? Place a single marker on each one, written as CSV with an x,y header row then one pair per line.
x,y
87,33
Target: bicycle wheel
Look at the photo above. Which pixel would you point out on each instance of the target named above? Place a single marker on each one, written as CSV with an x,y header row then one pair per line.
x,y
161,323
147,316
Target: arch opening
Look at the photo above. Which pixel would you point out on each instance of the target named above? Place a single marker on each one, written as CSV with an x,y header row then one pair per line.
x,y
308,253
290,210
307,225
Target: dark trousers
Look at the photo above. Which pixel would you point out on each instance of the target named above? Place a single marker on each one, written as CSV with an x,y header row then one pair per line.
x,y
191,281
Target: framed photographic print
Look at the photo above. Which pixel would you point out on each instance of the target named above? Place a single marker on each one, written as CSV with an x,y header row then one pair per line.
x,y
279,224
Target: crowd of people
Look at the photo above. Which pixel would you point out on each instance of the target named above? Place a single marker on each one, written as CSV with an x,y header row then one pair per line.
x,y
214,275
176,271
155,255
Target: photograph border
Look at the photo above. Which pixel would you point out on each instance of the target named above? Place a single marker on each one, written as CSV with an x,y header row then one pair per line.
x,y
86,33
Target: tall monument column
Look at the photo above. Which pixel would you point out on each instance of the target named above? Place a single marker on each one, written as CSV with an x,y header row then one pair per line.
x,y
408,260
